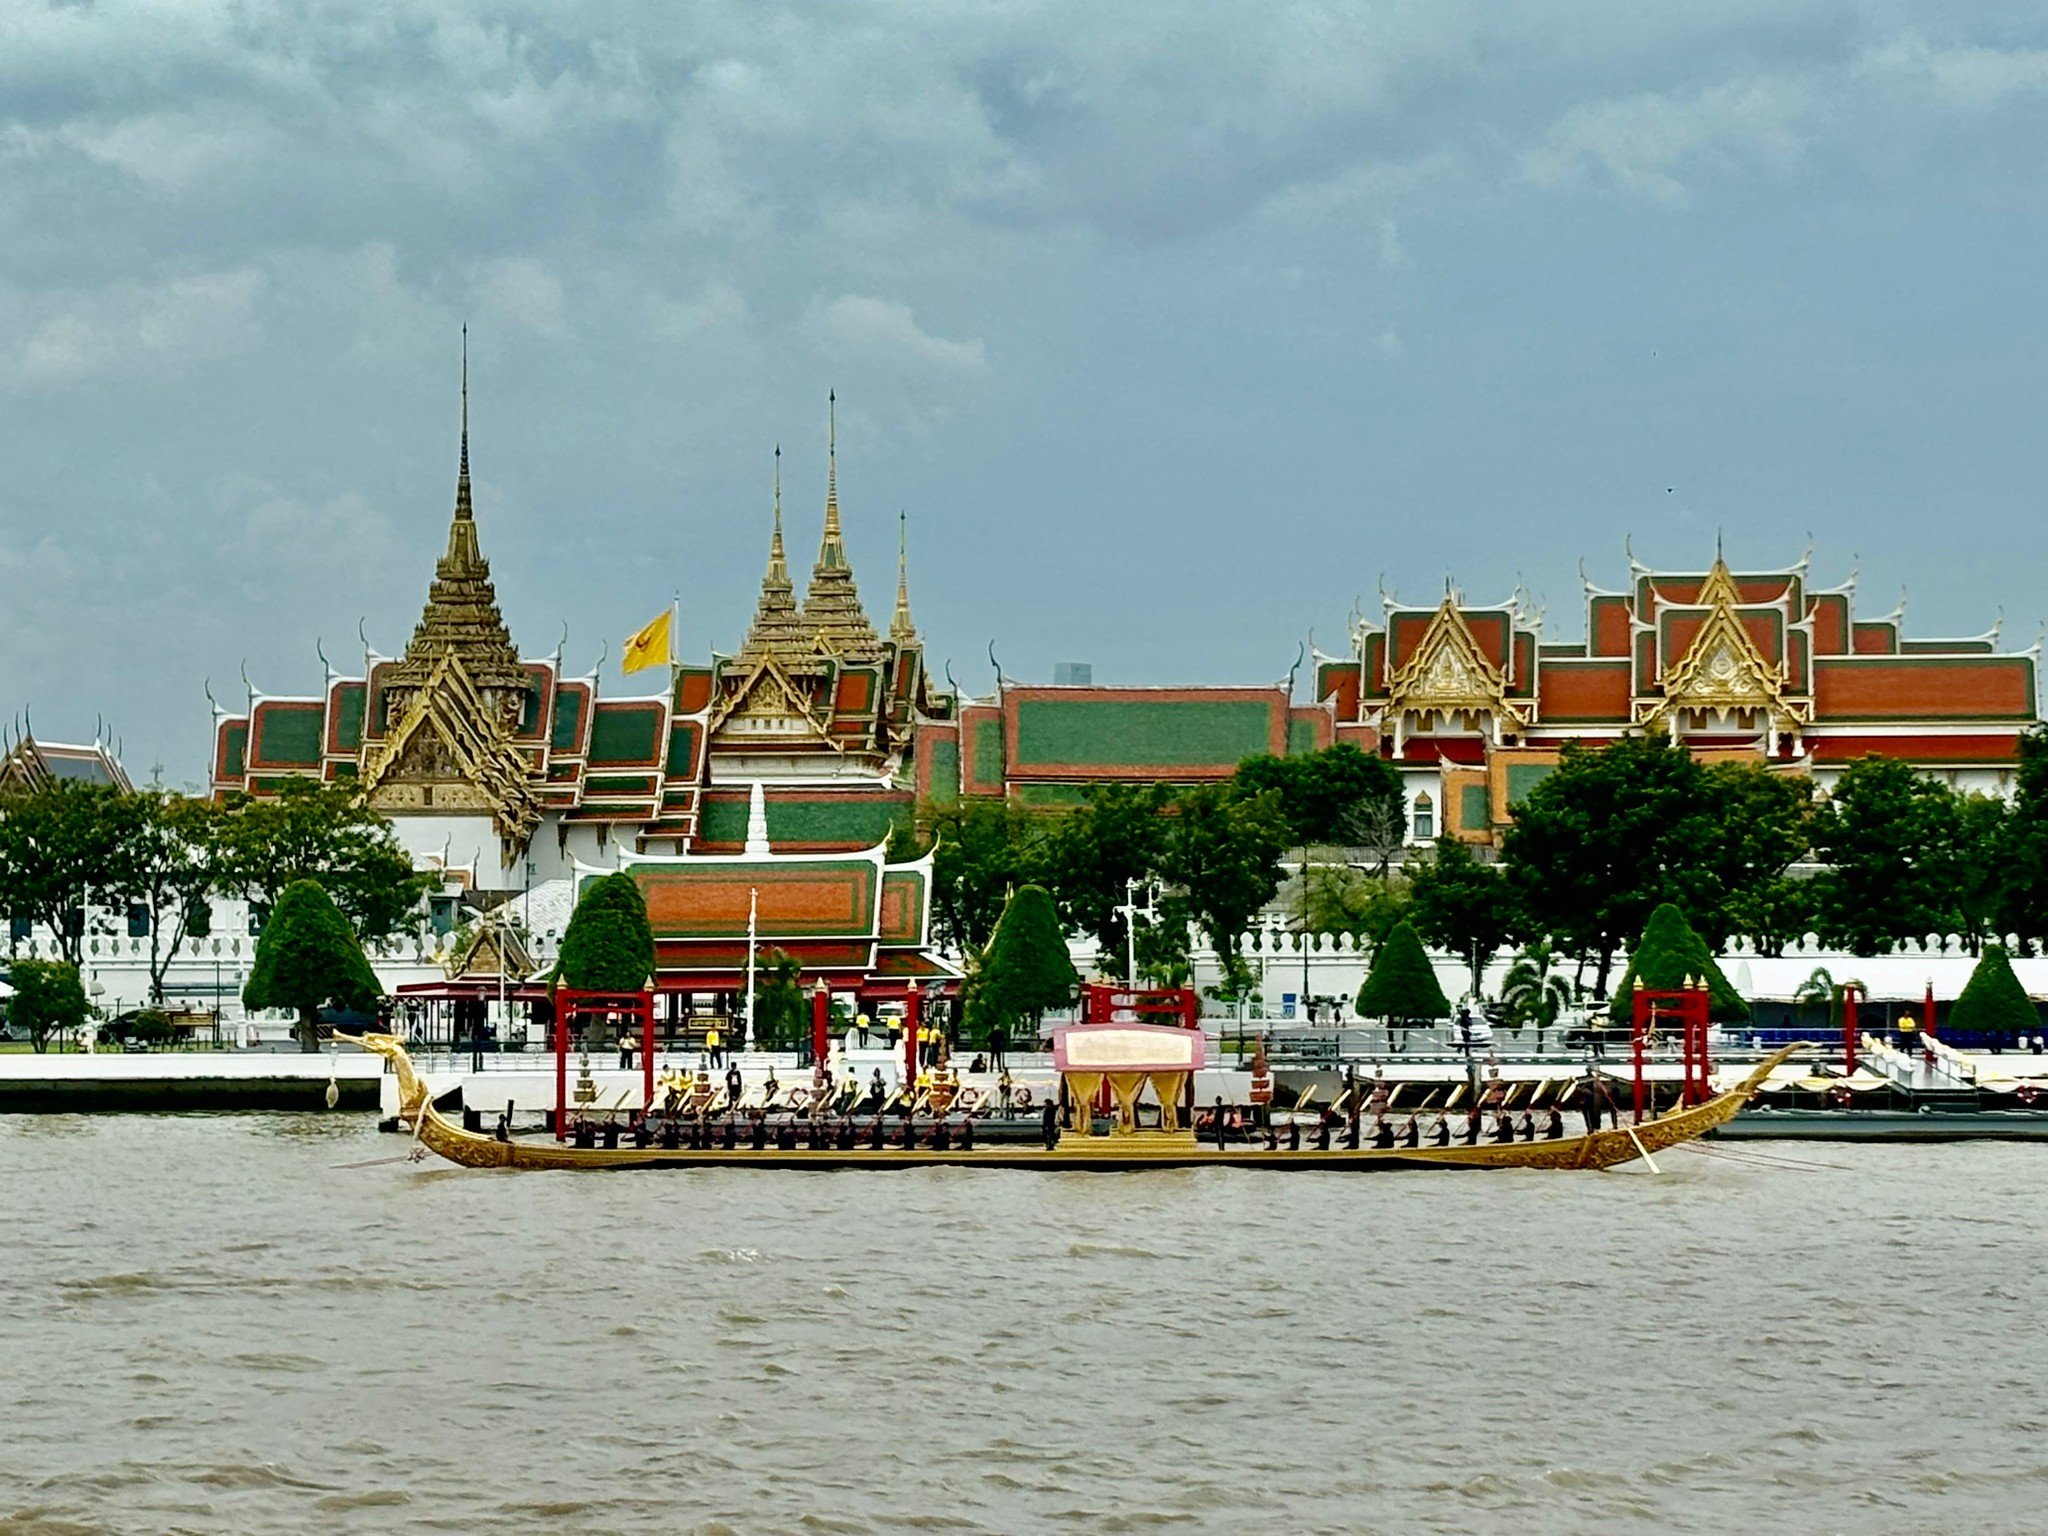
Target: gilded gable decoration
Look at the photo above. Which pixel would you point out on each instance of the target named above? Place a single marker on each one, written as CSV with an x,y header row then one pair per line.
x,y
1723,675
1450,677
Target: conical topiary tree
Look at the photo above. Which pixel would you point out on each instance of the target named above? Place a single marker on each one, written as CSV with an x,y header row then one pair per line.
x,y
1665,958
608,946
307,958
1993,1000
1025,969
1402,986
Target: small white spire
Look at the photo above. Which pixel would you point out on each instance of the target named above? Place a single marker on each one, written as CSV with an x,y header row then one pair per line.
x,y
757,823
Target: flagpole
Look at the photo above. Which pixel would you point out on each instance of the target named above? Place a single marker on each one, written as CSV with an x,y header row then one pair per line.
x,y
753,909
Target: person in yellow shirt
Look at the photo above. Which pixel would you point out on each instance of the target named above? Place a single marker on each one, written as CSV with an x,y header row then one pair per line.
x,y
714,1042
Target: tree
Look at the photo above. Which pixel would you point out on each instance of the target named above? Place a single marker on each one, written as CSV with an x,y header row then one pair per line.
x,y
172,859
321,832
1599,844
1890,837
1324,796
1993,1001
308,958
1346,900
1089,856
1668,955
1821,990
1223,850
48,998
1536,995
1462,905
1025,969
1402,986
66,847
1984,834
2023,894
781,1011
608,945
1764,821
986,849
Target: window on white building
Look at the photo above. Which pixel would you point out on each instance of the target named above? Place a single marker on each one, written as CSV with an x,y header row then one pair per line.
x,y
1425,818
138,920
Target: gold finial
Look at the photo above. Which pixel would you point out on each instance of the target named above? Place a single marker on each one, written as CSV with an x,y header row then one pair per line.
x,y
778,562
832,549
462,503
901,630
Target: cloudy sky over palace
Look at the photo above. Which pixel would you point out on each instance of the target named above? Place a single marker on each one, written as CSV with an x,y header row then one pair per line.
x,y
1172,327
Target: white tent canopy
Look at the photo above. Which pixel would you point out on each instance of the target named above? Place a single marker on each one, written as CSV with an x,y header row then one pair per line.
x,y
1886,978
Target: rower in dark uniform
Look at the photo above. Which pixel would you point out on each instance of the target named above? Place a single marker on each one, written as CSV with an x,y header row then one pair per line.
x,y
641,1135
1528,1126
671,1133
785,1137
1412,1135
1441,1136
1382,1136
876,1134
965,1143
729,1138
1216,1123
1471,1137
758,1132
1323,1134
1553,1128
1049,1123
1504,1129
941,1137
1293,1133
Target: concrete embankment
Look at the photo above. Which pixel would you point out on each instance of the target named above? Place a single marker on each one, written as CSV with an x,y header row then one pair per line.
x,y
157,1082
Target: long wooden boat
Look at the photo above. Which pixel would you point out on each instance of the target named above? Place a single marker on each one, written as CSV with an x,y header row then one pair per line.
x,y
1106,1154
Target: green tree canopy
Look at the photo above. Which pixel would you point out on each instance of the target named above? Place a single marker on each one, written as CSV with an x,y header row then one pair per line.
x,y
1223,850
986,849
1765,825
1117,835
1462,905
173,863
1402,984
1346,900
1891,839
1668,955
2023,896
64,847
1325,796
1599,844
1993,1000
608,946
48,997
1025,970
308,958
321,832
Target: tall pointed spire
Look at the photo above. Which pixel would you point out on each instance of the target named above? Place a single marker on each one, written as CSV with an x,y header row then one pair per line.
x,y
463,510
832,611
901,630
778,628
461,615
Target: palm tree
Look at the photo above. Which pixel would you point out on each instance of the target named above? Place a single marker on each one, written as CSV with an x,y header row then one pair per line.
x,y
1821,990
1534,994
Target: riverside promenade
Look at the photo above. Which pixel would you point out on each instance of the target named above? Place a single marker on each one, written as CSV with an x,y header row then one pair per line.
x,y
73,1082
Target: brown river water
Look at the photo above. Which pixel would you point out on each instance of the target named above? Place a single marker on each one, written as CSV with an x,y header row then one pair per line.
x,y
208,1326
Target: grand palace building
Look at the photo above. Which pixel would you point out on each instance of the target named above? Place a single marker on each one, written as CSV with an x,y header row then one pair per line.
x,y
762,785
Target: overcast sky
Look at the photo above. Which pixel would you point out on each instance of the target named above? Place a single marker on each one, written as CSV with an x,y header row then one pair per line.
x,y
1173,327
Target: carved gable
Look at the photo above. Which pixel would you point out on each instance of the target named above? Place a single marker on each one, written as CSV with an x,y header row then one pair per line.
x,y
1450,675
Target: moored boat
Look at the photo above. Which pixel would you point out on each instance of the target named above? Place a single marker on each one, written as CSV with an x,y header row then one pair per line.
x,y
1125,1148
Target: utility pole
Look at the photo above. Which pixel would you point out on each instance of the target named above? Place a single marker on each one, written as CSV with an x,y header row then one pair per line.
x,y
753,914
1131,911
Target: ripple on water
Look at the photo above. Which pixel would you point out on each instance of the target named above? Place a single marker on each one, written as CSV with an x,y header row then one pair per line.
x,y
228,1335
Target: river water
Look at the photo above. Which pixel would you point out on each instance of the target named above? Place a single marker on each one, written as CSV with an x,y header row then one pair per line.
x,y
208,1326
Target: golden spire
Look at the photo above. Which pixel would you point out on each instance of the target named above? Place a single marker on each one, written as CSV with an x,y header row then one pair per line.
x,y
778,562
832,548
901,630
778,628
461,617
837,623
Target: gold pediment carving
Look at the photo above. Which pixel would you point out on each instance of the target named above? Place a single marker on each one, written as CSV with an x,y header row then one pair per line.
x,y
446,749
1450,674
1723,672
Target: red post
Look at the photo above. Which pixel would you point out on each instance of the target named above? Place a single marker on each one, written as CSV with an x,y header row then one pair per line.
x,y
1641,1018
821,1021
913,1009
1849,1038
1927,1012
561,1067
646,1051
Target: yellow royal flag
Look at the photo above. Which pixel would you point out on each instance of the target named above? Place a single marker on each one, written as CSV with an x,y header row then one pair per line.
x,y
650,647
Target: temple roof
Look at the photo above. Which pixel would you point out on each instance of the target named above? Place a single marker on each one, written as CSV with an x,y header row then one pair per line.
x,y
461,617
901,630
